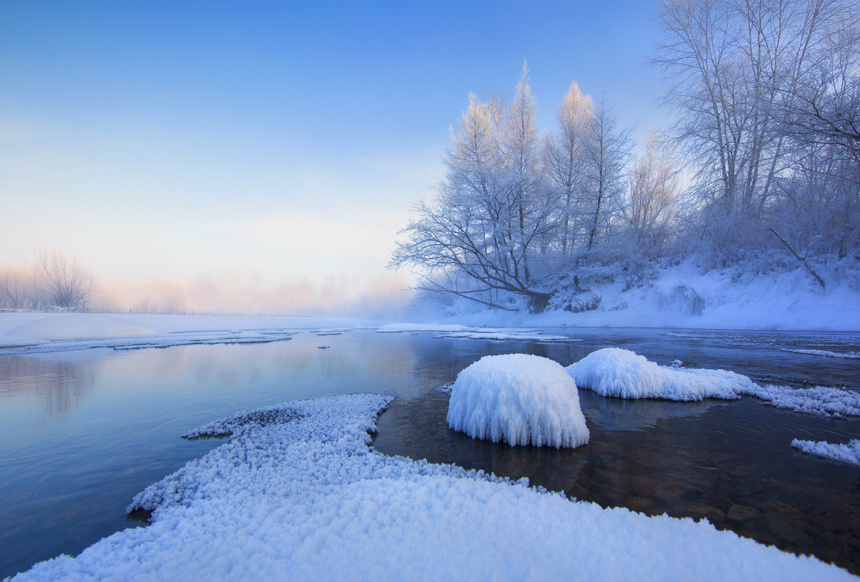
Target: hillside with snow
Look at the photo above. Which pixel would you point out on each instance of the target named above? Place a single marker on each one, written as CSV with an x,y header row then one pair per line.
x,y
679,296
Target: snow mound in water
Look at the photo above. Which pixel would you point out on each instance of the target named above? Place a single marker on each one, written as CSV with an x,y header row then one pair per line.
x,y
625,374
518,399
79,326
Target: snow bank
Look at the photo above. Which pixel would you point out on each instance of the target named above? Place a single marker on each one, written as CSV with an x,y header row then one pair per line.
x,y
304,497
518,399
849,453
624,374
78,326
682,296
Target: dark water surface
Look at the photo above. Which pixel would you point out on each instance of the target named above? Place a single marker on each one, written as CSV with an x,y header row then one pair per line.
x,y
82,432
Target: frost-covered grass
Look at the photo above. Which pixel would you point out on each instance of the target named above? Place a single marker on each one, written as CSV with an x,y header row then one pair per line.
x,y
847,453
305,498
518,399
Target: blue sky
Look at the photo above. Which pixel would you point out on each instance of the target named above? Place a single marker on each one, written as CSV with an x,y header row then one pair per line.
x,y
270,143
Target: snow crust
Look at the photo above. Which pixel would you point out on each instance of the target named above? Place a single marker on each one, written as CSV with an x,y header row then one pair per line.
x,y
301,495
518,399
625,374
847,453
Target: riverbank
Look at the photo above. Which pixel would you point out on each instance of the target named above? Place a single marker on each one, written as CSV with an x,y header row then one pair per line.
x,y
683,296
303,493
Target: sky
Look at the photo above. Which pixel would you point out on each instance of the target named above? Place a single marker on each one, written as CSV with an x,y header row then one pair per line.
x,y
265,155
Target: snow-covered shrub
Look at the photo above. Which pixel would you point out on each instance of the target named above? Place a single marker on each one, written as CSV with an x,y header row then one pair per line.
x,y
518,399
583,302
684,299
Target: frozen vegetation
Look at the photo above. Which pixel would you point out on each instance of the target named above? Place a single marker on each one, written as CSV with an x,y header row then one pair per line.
x,y
296,490
847,453
518,399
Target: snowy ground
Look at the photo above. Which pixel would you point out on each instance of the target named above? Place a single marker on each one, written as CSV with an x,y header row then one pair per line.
x,y
683,297
297,490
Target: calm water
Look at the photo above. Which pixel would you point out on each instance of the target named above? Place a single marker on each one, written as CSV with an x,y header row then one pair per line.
x,y
82,432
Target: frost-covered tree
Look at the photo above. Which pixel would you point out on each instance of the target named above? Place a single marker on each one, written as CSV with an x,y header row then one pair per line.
x,y
68,284
482,232
566,158
755,82
607,154
652,193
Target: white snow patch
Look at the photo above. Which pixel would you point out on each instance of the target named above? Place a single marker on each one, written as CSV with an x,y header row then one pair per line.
x,y
303,496
819,400
510,335
825,353
518,399
78,326
625,374
847,453
420,328
478,333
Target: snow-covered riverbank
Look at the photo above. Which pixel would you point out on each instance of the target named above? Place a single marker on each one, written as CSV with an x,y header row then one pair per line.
x,y
682,296
297,491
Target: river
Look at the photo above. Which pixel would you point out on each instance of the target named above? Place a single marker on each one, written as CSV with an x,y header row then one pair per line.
x,y
82,431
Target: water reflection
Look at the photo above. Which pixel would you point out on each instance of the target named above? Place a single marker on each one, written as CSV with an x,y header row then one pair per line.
x,y
60,384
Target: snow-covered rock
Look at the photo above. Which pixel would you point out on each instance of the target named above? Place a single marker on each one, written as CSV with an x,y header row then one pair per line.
x,y
625,374
518,399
